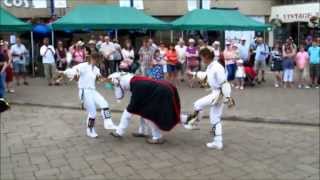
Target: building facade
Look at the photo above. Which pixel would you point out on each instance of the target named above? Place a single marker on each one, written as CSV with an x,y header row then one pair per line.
x,y
159,8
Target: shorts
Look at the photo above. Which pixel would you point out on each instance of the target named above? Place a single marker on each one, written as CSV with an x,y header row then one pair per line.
x,y
314,70
259,64
19,67
231,71
9,74
303,73
288,75
276,65
240,78
171,68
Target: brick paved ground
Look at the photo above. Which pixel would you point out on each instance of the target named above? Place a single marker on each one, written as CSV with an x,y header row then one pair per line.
x,y
43,143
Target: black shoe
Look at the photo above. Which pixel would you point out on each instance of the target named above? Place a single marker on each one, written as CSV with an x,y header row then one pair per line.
x,y
116,135
139,135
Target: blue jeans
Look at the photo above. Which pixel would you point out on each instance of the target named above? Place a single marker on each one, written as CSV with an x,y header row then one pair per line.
x,y
2,85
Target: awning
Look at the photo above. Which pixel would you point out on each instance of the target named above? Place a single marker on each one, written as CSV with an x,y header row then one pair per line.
x,y
99,17
9,23
218,19
295,13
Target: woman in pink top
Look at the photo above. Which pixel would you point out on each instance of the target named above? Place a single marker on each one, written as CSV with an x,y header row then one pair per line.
x,y
78,53
302,61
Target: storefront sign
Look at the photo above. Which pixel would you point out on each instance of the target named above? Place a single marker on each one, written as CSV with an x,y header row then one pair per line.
x,y
295,13
33,3
16,3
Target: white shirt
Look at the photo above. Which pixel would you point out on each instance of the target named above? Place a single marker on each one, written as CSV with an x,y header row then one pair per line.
x,y
15,49
88,74
244,52
47,53
216,54
215,74
181,52
127,54
107,49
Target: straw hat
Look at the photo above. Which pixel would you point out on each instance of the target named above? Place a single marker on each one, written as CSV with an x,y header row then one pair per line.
x,y
191,40
92,42
80,43
216,43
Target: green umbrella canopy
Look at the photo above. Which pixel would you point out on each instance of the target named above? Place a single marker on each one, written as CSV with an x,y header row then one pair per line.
x,y
9,23
217,19
100,17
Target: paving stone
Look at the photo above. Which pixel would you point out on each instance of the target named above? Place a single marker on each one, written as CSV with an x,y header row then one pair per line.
x,y
47,172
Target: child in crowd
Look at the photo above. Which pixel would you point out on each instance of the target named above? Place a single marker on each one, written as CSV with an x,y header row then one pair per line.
x,y
302,61
276,64
240,74
172,61
157,69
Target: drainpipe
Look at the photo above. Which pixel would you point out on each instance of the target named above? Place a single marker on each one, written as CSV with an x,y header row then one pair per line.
x,y
131,3
52,8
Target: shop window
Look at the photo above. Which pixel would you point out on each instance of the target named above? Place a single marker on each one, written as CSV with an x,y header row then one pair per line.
x,y
198,4
132,3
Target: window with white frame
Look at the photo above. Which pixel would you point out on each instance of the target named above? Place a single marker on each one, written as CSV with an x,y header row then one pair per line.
x,y
131,3
198,4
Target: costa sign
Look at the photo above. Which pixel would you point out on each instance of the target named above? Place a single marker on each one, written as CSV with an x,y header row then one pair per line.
x,y
16,3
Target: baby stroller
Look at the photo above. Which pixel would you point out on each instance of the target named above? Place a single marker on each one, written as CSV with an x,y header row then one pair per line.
x,y
250,72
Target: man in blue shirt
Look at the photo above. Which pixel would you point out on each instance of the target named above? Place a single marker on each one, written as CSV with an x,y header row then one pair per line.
x,y
314,54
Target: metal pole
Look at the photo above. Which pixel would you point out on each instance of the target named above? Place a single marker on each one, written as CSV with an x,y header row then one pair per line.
x,y
298,34
171,36
182,34
160,33
116,34
131,3
32,54
200,4
52,37
150,34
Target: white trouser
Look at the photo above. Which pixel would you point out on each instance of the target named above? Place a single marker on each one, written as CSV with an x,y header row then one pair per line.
x,y
125,120
143,127
91,98
216,110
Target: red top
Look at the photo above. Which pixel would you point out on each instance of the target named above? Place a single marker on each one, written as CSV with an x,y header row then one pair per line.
x,y
172,57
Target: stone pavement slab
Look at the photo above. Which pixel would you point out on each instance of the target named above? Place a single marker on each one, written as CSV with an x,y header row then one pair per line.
x,y
59,149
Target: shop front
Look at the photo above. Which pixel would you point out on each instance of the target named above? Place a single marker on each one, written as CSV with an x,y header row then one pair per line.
x,y
299,21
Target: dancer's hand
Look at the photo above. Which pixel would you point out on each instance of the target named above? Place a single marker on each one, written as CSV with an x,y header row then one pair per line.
x,y
230,102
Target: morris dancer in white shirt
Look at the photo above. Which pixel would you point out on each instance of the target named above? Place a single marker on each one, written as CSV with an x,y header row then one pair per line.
x,y
216,78
87,74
